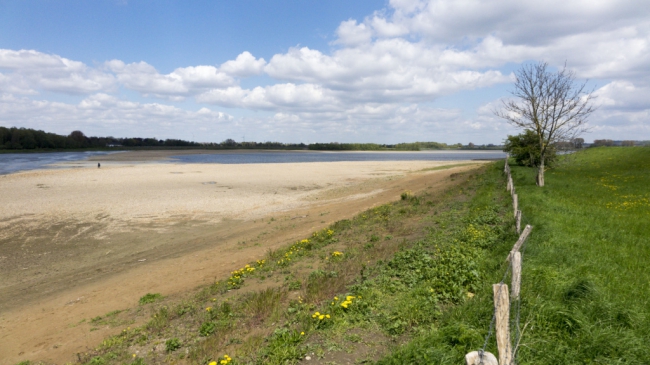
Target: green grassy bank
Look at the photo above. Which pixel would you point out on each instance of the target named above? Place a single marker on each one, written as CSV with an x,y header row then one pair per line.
x,y
586,275
585,280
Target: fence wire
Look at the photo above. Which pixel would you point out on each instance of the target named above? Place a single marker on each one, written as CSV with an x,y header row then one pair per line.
x,y
514,322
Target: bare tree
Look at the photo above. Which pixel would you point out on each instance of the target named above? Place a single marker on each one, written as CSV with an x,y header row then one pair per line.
x,y
551,104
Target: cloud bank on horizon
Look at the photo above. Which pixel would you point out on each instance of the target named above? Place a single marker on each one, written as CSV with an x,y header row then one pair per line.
x,y
400,74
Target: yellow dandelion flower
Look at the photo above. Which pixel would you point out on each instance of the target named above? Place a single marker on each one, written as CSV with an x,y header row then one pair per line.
x,y
327,316
302,333
321,317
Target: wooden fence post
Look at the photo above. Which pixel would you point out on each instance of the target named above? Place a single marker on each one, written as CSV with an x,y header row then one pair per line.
x,y
516,275
518,221
480,358
520,241
515,204
502,323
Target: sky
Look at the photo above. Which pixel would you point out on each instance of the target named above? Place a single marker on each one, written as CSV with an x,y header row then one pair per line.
x,y
313,71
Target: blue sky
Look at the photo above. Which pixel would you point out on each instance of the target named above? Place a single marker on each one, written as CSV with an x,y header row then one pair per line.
x,y
311,71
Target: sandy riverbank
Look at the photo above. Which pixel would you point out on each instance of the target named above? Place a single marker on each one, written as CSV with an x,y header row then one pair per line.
x,y
77,243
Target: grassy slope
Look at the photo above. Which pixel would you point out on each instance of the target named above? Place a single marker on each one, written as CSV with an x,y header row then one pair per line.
x,y
585,275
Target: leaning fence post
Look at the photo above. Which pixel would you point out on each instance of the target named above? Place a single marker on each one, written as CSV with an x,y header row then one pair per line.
x,y
515,204
516,275
480,358
520,241
518,221
502,323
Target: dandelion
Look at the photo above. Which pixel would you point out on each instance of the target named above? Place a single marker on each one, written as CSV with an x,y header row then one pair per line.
x,y
133,355
302,333
327,316
321,317
208,309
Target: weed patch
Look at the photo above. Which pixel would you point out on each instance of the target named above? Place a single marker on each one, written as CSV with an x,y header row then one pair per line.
x,y
150,298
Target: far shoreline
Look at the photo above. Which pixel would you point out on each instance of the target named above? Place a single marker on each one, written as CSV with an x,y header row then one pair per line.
x,y
166,155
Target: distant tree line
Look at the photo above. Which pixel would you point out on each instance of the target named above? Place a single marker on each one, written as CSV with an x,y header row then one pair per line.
x,y
415,146
609,143
30,139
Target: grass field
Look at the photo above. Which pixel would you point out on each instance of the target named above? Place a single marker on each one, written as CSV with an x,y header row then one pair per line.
x,y
585,277
410,282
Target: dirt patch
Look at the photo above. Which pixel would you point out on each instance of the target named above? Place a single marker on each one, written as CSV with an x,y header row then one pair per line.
x,y
61,269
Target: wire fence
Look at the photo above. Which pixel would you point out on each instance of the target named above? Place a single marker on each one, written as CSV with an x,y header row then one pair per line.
x,y
505,302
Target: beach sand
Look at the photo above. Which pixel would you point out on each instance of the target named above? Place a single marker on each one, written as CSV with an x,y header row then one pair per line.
x,y
79,242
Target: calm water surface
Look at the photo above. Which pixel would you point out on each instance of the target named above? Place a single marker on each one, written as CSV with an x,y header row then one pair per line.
x,y
287,157
13,162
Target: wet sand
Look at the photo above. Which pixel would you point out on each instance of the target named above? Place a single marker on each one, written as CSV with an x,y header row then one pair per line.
x,y
76,243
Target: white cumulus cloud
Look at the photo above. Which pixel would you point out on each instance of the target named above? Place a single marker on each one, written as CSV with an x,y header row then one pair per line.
x,y
31,70
244,65
183,81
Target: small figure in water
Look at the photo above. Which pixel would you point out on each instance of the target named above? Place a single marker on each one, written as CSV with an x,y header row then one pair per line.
x,y
98,165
